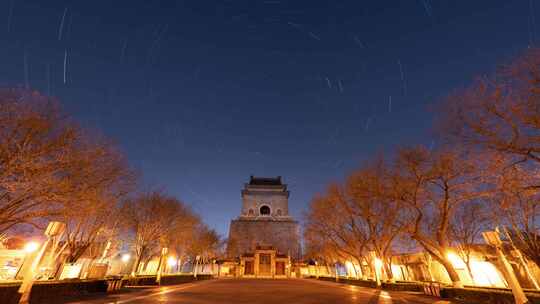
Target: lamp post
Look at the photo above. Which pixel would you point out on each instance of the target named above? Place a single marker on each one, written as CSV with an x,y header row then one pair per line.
x,y
336,270
375,262
54,230
493,239
197,258
164,251
29,249
105,251
517,253
125,259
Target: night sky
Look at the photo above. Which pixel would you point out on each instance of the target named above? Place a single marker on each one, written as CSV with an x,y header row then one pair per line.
x,y
202,94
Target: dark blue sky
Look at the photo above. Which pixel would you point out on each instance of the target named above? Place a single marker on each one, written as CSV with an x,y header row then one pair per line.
x,y
201,94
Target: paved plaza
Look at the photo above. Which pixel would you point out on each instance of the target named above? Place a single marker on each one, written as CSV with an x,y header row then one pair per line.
x,y
244,291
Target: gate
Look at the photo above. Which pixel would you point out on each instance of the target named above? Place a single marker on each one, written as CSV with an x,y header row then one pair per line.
x,y
265,264
280,268
248,270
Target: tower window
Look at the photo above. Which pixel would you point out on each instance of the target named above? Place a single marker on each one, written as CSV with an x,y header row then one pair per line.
x,y
265,210
278,212
251,212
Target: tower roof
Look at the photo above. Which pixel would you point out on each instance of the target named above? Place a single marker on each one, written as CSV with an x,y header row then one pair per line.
x,y
265,181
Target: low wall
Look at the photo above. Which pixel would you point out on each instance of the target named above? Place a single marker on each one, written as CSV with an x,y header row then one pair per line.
x,y
165,279
45,292
51,291
486,295
403,286
397,286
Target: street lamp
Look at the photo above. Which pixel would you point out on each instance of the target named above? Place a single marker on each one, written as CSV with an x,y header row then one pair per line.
x,y
171,262
125,257
31,247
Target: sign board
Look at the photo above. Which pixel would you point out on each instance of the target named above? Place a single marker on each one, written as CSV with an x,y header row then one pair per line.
x,y
98,271
71,271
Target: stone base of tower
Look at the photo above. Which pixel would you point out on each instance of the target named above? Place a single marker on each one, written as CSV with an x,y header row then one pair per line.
x,y
264,262
246,235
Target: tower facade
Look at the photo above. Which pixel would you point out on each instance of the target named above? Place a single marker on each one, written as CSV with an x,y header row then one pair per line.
x,y
264,219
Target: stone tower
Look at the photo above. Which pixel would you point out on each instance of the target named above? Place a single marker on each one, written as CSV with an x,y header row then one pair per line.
x,y
264,219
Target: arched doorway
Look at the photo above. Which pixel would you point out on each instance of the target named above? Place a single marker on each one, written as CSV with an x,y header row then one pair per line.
x,y
265,210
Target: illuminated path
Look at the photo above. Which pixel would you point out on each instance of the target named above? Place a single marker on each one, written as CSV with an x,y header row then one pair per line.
x,y
264,291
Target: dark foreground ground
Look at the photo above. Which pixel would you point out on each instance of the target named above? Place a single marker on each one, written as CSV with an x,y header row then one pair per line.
x,y
295,291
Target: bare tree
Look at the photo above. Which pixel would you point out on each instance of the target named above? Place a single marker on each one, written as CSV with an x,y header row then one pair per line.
x,y
466,228
501,114
151,217
182,237
434,185
370,199
206,244
101,180
517,206
332,225
37,144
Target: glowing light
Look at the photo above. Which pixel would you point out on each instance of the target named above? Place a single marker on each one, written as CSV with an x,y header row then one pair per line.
x,y
485,274
352,269
31,247
397,272
456,261
378,263
385,295
171,261
125,257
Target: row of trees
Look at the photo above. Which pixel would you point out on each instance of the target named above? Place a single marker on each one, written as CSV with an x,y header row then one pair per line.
x,y
52,169
158,221
484,174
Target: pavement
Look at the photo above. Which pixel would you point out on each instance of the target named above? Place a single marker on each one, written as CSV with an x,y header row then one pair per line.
x,y
264,291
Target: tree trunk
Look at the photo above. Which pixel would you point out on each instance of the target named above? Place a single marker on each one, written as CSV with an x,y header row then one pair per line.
x,y
388,271
468,264
136,265
180,264
361,274
376,276
328,269
355,273
452,273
